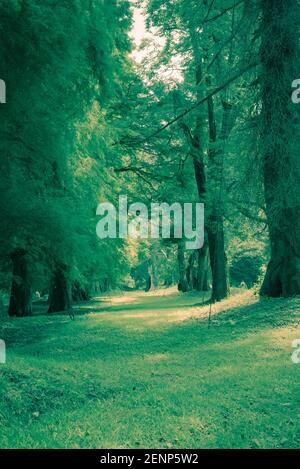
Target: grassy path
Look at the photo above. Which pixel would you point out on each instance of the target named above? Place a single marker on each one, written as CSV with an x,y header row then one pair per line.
x,y
145,370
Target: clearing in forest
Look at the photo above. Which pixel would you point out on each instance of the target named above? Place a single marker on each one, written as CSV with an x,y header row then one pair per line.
x,y
146,370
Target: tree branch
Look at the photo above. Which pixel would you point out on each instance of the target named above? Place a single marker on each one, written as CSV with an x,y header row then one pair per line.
x,y
224,11
203,100
208,11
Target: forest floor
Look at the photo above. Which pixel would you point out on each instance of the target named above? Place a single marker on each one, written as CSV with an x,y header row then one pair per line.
x,y
146,370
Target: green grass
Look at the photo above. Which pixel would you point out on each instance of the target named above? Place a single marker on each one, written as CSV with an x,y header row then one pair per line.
x,y
145,370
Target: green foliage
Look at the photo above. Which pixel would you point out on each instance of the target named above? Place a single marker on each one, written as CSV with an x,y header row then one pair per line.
x,y
81,127
64,64
245,269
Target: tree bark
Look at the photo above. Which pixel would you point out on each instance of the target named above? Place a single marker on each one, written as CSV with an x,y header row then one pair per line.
x,y
79,293
218,259
203,275
183,283
2,309
60,291
191,271
198,269
20,296
280,134
149,283
153,267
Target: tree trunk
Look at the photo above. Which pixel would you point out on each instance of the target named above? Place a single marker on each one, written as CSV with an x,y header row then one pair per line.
x,y
79,293
149,283
218,259
192,271
153,267
2,309
20,296
280,135
203,269
183,283
60,291
198,269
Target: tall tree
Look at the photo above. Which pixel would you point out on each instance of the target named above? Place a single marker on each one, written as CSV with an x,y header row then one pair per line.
x,y
58,59
280,34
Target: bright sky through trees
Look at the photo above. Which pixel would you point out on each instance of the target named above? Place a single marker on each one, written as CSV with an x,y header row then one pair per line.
x,y
139,33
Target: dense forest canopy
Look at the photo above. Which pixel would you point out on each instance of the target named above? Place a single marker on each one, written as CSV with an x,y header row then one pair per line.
x,y
203,112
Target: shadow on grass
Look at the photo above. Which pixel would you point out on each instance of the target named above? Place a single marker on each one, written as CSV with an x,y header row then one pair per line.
x,y
90,338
